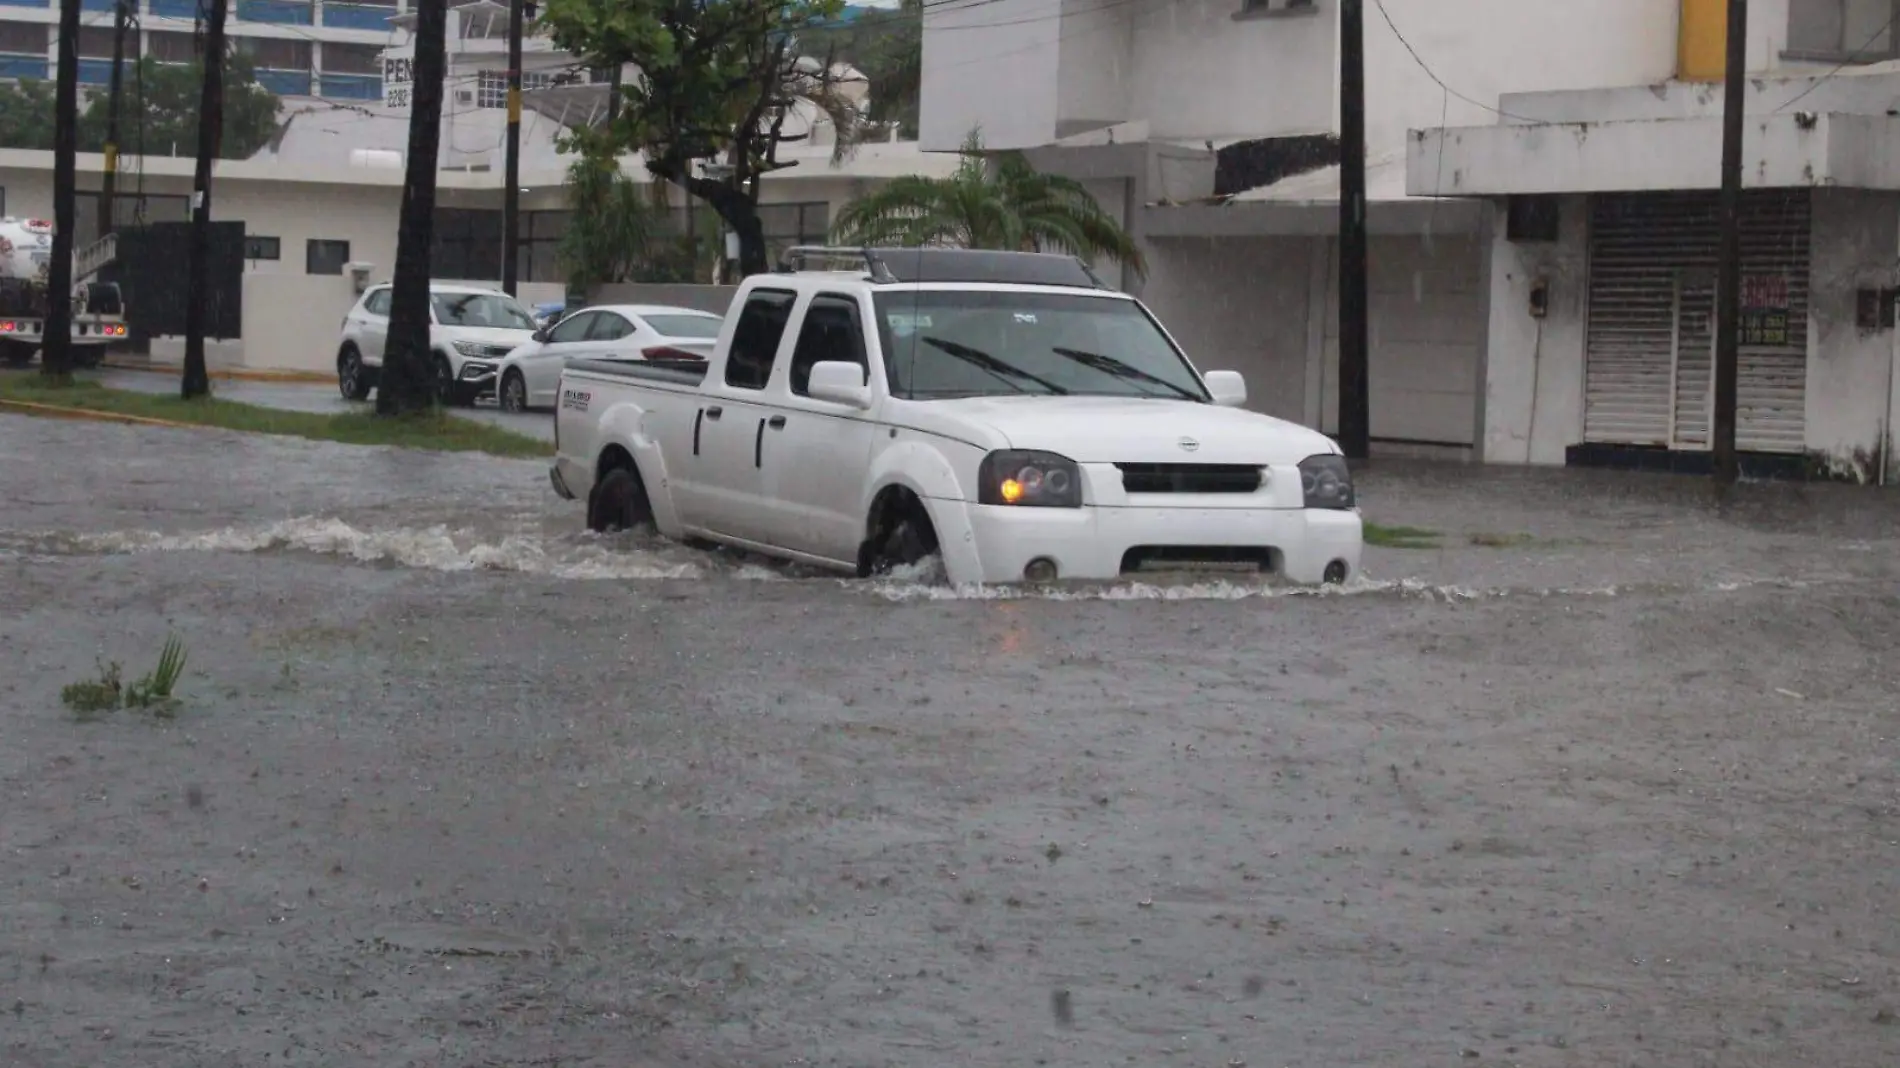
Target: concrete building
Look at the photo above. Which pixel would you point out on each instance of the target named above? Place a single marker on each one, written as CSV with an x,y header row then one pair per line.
x,y
1210,127
1600,206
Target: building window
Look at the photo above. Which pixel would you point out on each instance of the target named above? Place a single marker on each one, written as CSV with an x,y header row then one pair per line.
x,y
172,47
25,38
267,248
537,257
341,58
787,225
1843,31
270,53
1254,9
322,256
491,87
467,245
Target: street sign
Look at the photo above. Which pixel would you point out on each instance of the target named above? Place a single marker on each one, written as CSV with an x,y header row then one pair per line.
x,y
399,81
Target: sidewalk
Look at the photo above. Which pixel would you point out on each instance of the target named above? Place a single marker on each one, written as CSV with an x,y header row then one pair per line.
x,y
131,362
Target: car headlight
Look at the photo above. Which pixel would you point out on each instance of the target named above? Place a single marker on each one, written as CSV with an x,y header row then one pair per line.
x,y
1029,479
471,348
1327,482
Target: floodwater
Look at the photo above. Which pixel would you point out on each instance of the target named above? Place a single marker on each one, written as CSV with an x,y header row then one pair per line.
x,y
1605,776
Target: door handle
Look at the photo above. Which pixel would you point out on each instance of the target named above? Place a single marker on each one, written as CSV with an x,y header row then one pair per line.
x,y
697,419
758,446
713,413
777,422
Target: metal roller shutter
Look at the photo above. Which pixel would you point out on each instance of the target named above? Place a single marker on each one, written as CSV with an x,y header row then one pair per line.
x,y
1649,360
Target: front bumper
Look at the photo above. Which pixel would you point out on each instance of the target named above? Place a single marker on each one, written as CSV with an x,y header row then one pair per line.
x,y
1092,542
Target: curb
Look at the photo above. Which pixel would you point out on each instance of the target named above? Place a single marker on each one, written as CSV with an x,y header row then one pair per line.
x,y
55,411
226,374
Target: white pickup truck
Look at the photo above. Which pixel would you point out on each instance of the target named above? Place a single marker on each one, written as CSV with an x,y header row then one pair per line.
x,y
1004,409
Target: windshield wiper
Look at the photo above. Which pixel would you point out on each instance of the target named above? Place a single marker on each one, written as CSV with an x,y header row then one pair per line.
x,y
984,361
1109,365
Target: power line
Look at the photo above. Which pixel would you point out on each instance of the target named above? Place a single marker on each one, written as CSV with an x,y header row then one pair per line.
x,y
1433,75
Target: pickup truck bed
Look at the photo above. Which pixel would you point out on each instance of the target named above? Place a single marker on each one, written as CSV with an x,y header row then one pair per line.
x,y
674,372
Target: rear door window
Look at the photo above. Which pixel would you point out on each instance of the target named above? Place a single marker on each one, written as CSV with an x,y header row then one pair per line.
x,y
756,336
378,303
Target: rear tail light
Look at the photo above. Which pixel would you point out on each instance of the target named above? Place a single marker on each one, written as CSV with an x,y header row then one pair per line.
x,y
668,352
6,327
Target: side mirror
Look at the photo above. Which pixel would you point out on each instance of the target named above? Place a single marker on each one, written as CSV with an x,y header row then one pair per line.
x,y
541,335
1228,389
839,383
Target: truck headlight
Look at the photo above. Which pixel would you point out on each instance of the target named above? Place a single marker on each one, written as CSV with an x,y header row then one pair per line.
x,y
1029,479
1327,482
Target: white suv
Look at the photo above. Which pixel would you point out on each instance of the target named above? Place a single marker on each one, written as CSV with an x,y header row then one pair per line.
x,y
470,329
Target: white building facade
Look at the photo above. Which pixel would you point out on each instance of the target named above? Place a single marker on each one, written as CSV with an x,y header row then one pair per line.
x,y
1211,125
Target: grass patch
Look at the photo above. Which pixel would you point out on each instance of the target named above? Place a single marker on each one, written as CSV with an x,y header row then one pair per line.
x,y
1400,537
430,430
91,699
1501,541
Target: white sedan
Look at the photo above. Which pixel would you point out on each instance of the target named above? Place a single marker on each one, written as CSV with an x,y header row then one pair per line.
x,y
530,376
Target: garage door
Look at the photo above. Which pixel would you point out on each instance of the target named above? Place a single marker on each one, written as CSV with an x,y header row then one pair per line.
x,y
1426,315
1650,352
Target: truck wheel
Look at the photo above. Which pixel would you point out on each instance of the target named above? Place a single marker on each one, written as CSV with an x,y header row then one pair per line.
x,y
619,502
901,535
88,357
514,393
350,379
16,354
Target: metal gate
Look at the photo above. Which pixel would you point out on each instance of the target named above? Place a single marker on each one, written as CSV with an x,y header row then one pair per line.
x,y
152,276
1649,355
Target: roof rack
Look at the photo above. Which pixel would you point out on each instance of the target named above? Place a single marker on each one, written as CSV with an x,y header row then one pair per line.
x,y
888,266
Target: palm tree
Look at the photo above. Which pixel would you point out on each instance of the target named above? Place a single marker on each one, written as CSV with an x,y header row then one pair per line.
x,y
999,204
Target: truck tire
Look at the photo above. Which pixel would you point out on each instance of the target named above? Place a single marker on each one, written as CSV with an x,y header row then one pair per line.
x,y
88,357
618,502
351,380
16,354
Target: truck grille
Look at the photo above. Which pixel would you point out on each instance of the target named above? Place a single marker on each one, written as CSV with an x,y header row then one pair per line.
x,y
1190,478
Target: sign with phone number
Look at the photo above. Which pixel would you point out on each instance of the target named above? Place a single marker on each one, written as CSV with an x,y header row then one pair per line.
x,y
399,79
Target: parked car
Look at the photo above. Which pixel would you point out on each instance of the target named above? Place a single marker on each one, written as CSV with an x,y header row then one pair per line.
x,y
470,329
1004,409
529,376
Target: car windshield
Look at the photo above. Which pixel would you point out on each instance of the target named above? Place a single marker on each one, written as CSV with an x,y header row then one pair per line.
x,y
701,326
481,309
961,343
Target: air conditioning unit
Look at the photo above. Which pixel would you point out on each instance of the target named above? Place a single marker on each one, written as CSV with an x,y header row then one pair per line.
x,y
465,96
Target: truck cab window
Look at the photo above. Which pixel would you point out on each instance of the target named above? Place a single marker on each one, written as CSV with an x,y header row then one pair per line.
x,y
756,337
831,332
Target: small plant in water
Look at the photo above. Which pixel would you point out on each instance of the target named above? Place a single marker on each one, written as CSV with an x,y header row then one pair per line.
x,y
154,691
92,698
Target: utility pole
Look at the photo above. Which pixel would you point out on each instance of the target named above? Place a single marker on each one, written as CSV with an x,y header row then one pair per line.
x,y
511,175
1355,406
56,345
197,382
109,184
1728,278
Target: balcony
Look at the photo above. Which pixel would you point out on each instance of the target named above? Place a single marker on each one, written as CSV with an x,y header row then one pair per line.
x,y
357,16
351,87
174,9
18,65
285,82
281,12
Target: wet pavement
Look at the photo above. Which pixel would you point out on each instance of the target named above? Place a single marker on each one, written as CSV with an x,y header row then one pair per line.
x,y
320,398
1607,777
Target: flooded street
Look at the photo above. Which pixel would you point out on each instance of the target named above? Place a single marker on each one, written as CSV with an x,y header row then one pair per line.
x,y
1601,774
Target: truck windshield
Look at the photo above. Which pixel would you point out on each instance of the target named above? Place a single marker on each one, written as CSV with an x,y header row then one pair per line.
x,y
481,309
960,343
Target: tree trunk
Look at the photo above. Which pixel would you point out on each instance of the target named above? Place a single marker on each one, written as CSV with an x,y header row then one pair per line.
x,y
734,207
197,382
407,383
56,358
